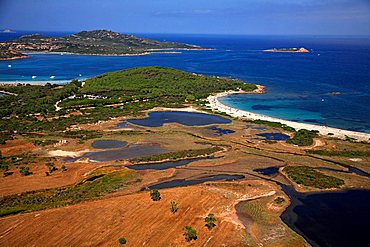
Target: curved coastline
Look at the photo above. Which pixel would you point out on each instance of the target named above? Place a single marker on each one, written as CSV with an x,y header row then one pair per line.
x,y
216,105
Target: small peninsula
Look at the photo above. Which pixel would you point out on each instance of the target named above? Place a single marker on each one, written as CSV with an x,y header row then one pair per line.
x,y
96,42
301,50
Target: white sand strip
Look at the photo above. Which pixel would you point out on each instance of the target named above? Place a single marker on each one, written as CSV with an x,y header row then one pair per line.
x,y
216,105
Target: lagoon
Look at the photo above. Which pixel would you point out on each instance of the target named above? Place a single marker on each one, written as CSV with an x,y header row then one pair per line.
x,y
157,119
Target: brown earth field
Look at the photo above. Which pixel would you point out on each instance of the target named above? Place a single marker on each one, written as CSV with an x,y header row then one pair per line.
x,y
140,220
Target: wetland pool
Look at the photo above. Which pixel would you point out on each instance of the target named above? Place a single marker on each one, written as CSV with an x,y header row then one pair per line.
x,y
131,152
157,119
186,182
106,144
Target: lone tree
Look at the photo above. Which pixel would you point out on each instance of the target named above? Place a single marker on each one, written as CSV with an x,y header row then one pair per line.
x,y
64,168
190,233
155,195
210,221
122,240
51,167
24,170
173,207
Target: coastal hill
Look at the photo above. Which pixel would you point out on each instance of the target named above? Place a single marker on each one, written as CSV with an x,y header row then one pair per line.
x,y
97,42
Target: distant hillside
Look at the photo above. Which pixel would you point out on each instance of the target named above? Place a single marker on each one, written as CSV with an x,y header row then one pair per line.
x,y
97,42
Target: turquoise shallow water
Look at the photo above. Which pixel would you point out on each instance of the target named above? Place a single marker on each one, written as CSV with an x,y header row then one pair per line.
x,y
298,85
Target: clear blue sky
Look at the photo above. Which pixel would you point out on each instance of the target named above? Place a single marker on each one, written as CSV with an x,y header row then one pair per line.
x,y
319,17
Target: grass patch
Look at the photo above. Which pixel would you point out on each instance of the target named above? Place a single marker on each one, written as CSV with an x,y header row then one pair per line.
x,y
52,198
178,155
312,178
256,211
303,137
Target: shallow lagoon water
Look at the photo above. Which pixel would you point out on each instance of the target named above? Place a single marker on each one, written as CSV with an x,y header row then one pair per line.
x,y
187,182
274,136
267,171
131,152
122,124
106,144
220,131
157,119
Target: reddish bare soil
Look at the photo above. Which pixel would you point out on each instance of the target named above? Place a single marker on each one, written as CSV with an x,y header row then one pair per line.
x,y
17,147
136,217
16,183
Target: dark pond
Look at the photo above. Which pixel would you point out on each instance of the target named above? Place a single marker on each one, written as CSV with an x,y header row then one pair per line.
x,y
356,171
157,119
274,136
267,171
330,219
131,152
186,182
104,144
164,165
220,131
122,124
94,177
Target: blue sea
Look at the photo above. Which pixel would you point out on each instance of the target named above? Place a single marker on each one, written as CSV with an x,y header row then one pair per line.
x,y
299,85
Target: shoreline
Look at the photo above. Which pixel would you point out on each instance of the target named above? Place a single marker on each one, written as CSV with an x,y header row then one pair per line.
x,y
216,105
144,53
13,58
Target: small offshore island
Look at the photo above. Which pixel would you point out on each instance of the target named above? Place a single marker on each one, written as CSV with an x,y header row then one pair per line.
x,y
149,145
303,50
96,42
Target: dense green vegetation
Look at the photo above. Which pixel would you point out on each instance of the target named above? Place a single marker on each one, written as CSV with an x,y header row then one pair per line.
x,y
344,153
272,124
190,233
24,171
51,198
210,221
310,177
303,137
156,82
279,200
155,195
190,153
122,240
31,99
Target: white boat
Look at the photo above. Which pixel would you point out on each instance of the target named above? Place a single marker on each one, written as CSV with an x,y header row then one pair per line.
x,y
52,77
33,77
9,66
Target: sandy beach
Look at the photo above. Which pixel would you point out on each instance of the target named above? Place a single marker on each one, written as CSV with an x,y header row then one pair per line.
x,y
216,105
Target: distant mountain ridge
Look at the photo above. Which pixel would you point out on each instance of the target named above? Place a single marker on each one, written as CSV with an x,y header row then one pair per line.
x,y
96,42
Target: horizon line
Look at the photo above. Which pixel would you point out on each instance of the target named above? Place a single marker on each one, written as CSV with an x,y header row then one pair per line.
x,y
232,34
